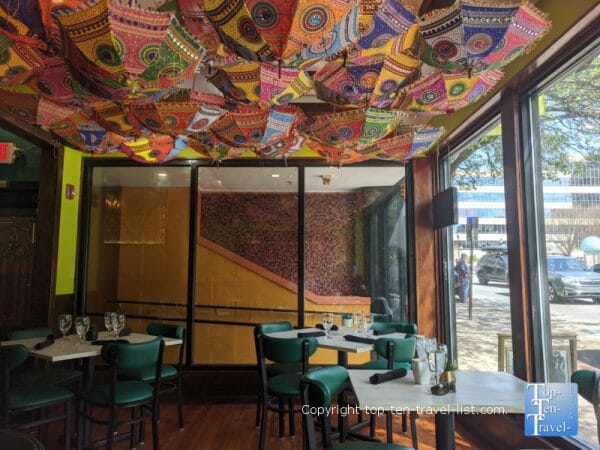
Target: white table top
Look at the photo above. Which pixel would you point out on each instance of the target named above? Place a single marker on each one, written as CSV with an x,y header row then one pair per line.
x,y
337,341
69,348
476,392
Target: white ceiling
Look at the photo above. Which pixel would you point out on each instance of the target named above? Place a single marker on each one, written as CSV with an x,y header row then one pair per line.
x,y
251,179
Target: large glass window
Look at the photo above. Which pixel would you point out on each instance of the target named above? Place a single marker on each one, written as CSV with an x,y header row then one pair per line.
x,y
355,245
566,125
247,258
138,245
478,257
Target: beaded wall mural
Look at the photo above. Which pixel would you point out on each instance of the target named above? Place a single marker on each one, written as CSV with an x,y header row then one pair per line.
x,y
228,78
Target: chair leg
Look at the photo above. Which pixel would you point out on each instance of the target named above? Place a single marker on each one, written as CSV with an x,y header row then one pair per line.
x,y
133,430
263,424
372,424
80,426
155,443
413,430
258,410
292,423
404,426
180,404
142,437
68,425
111,429
389,427
281,418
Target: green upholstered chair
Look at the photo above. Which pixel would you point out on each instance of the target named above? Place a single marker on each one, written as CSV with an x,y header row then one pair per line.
x,y
47,375
14,440
285,386
396,354
399,327
39,397
319,387
170,375
588,386
134,394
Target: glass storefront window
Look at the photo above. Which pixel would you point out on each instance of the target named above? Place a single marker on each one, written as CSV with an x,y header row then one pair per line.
x,y
478,255
566,127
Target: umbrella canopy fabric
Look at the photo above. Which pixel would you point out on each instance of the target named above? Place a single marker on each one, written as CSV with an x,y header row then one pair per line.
x,y
404,146
260,83
26,105
473,35
120,50
268,30
209,146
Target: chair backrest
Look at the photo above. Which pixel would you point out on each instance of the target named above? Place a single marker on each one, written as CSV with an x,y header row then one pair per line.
x,y
586,381
274,327
286,350
29,333
400,327
12,356
319,387
124,356
170,331
396,350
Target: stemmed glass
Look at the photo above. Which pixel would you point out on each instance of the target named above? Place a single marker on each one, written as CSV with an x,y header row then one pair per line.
x,y
80,328
108,322
327,324
367,322
118,323
437,359
65,321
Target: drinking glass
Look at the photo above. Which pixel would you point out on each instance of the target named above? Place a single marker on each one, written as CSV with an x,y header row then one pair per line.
x,y
65,321
438,359
108,322
118,323
80,327
86,323
327,324
368,321
358,319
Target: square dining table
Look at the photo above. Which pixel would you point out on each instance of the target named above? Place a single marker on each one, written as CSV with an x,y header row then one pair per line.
x,y
476,393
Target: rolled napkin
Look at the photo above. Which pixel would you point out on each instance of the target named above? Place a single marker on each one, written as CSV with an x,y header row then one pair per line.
x,y
321,327
383,332
125,332
304,334
379,378
108,341
47,343
364,340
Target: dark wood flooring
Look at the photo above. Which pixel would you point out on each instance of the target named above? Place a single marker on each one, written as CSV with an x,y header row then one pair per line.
x,y
231,426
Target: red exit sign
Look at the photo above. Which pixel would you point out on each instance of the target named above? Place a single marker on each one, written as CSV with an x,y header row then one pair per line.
x,y
7,152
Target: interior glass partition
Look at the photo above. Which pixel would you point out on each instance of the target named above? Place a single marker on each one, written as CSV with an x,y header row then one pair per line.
x,y
247,258
137,253
478,266
566,130
355,245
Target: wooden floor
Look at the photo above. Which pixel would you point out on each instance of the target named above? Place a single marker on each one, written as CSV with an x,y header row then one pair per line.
x,y
231,426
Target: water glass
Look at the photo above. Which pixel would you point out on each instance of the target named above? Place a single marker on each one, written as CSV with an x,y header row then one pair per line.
x,y
118,323
359,320
327,324
65,321
108,322
438,359
367,323
80,328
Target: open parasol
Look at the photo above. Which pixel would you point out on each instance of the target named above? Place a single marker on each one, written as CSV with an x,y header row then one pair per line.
x,y
23,104
404,146
120,50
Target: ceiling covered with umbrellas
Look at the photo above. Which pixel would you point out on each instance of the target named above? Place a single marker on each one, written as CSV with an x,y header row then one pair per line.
x,y
350,79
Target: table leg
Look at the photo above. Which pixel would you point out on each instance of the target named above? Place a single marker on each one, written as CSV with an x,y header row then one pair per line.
x,y
342,420
88,366
444,431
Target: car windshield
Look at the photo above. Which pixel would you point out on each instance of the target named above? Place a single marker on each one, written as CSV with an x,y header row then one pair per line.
x,y
566,265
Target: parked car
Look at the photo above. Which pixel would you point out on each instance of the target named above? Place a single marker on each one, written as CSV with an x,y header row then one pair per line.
x,y
493,266
569,278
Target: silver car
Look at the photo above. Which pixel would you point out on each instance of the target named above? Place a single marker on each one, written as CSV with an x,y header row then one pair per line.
x,y
568,278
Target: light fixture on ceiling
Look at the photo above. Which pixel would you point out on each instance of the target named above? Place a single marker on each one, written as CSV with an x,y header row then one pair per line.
x,y
275,175
162,174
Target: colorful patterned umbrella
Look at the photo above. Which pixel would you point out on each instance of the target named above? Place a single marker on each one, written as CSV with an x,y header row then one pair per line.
x,y
442,93
404,146
153,149
199,26
247,127
336,155
26,12
354,128
209,146
253,82
24,104
179,112
365,80
56,82
268,30
21,55
473,35
120,50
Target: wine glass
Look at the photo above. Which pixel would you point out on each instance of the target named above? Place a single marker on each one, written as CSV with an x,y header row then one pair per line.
x,y
357,320
327,324
118,323
108,322
361,323
80,327
437,360
86,322
367,322
65,321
